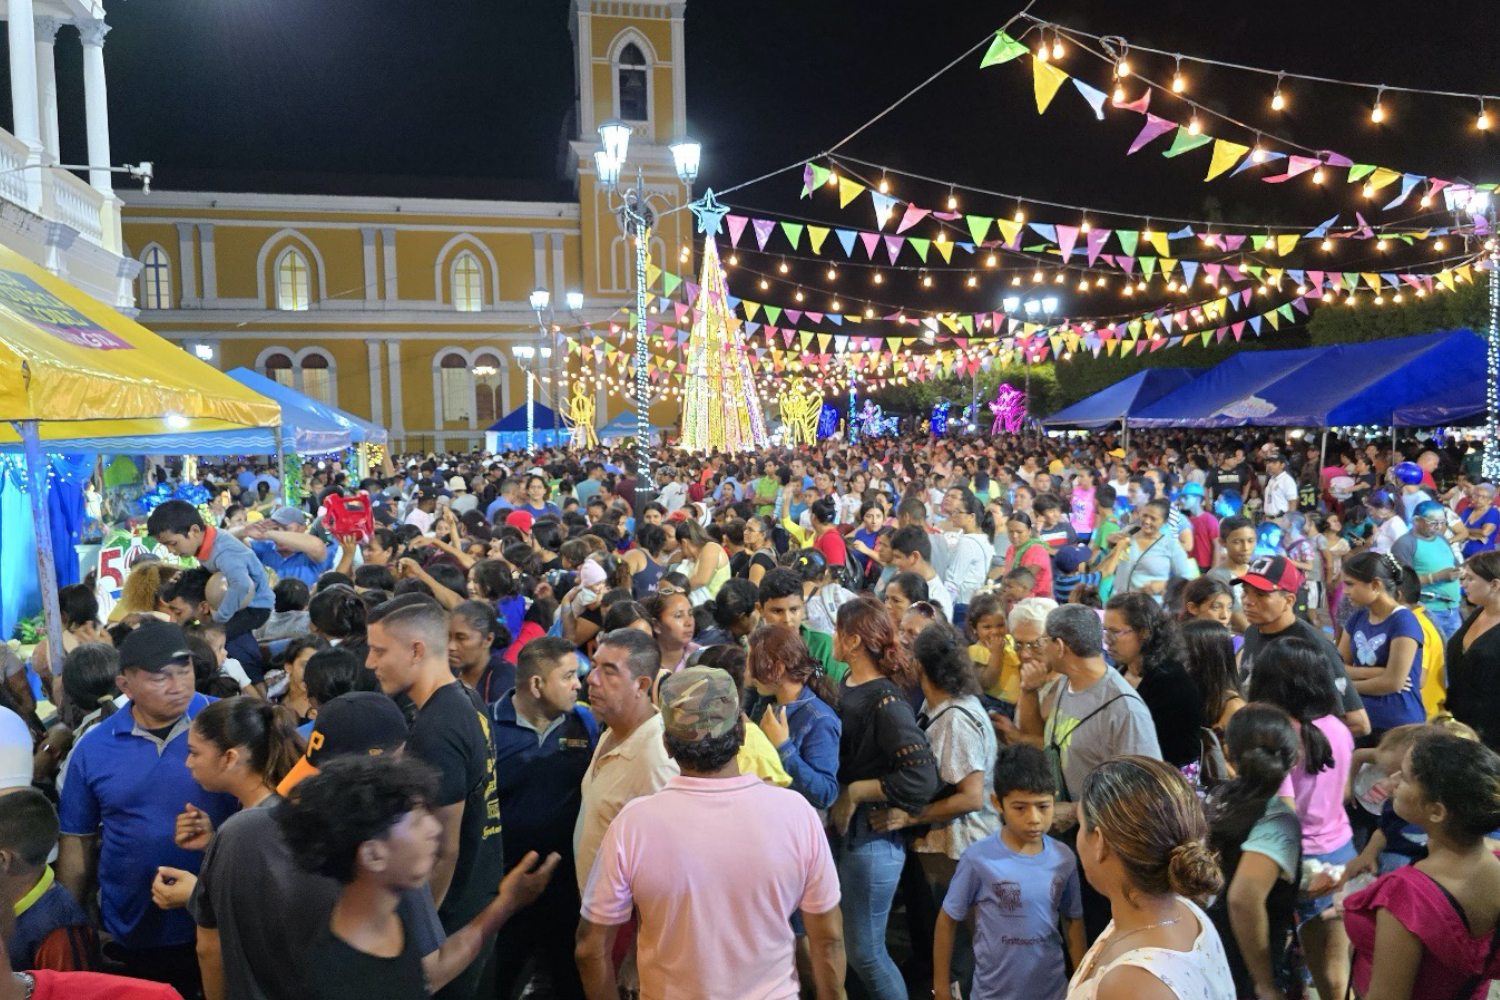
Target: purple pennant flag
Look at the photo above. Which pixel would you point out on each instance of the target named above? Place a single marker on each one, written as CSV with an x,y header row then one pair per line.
x,y
1337,160
1154,127
893,246
1234,242
736,228
763,229
1096,240
1067,237
795,315
871,241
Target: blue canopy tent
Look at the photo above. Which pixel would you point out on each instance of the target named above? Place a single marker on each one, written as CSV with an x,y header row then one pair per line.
x,y
1363,384
1458,404
1109,406
359,430
509,432
1231,383
624,425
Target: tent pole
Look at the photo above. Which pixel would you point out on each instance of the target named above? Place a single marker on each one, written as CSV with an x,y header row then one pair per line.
x,y
286,487
1125,433
1323,452
37,487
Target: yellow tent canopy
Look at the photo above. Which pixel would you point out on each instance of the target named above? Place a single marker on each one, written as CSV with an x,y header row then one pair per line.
x,y
72,367
81,369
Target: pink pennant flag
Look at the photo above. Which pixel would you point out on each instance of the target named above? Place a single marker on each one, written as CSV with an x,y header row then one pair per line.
x,y
1315,278
1139,105
1294,165
871,241
1067,236
795,315
815,317
736,227
911,217
1096,239
1212,270
787,336
763,229
1233,242
1235,274
1127,264
1154,127
1238,328
1245,296
893,246
1140,347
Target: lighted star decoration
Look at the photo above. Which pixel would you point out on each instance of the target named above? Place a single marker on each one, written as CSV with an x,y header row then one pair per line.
x,y
710,213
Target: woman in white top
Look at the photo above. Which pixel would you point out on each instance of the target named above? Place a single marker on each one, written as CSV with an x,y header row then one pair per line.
x,y
972,547
1142,842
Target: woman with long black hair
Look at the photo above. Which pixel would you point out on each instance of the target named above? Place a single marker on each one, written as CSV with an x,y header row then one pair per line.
x,y
1144,644
1259,842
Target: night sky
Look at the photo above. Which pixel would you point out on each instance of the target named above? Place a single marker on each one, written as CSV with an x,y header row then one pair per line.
x,y
469,97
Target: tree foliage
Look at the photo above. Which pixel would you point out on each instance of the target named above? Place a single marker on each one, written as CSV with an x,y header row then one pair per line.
x,y
918,398
1467,306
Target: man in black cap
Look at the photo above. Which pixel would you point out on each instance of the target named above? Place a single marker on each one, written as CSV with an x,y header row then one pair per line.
x,y
125,786
1270,600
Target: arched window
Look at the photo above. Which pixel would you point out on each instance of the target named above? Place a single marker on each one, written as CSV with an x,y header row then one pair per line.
x,y
632,83
279,369
315,378
292,281
156,280
468,283
487,395
456,380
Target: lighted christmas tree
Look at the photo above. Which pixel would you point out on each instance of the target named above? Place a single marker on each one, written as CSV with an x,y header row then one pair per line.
x,y
720,408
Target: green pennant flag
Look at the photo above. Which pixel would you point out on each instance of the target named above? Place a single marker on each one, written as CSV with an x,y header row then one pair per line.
x,y
1256,270
1286,311
793,232
669,282
1185,140
1003,49
979,227
1258,241
819,175
1128,239
1148,267
1207,334
920,246
1360,171
773,314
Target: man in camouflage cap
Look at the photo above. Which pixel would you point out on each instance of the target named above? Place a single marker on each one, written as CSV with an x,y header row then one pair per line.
x,y
664,848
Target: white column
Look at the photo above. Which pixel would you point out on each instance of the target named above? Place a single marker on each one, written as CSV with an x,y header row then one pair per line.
x,y
538,261
210,270
96,100
377,404
398,424
388,239
187,265
25,120
46,83
372,289
559,363
679,73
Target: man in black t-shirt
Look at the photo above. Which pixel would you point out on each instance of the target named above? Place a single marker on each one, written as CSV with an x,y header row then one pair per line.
x,y
1270,601
408,641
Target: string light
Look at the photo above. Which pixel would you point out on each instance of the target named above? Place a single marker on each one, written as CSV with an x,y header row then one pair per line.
x,y
885,186
952,201
973,282
799,296
1438,246
1042,52
1020,215
869,312
1122,68
990,261
1278,100
926,281
1119,94
1368,190
833,273
1083,227
1377,113
1179,85
1257,154
1380,244
879,278
783,268
734,259
833,178
765,285
1036,276
1318,175
1057,45
1483,121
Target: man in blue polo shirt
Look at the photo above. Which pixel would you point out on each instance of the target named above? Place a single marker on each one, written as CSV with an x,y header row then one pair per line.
x,y
544,741
282,544
127,782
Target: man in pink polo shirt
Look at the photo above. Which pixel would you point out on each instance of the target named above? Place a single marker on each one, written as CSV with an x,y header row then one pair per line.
x,y
717,863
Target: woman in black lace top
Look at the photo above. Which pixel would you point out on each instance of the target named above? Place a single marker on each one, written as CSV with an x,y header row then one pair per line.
x,y
883,759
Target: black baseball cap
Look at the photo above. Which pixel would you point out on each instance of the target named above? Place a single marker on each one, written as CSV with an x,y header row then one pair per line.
x,y
360,722
155,646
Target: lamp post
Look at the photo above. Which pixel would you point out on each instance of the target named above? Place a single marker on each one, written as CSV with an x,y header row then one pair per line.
x,y
525,355
637,219
541,304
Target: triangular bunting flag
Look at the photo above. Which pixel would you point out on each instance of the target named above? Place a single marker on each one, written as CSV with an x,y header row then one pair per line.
x,y
1159,241
1127,238
979,226
1067,238
815,237
1226,155
1185,140
1154,127
848,191
1096,241
846,240
1046,78
763,228
911,217
871,241
736,228
1003,49
1093,96
793,231
920,246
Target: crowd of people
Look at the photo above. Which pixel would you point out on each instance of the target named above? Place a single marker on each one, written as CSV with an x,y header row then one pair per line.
x,y
1042,717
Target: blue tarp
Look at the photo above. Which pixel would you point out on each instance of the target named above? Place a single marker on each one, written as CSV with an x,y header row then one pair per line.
x,y
624,425
358,429
1458,404
1339,386
515,420
509,432
1198,404
1108,407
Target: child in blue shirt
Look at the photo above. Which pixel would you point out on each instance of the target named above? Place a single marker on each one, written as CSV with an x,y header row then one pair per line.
x,y
1017,883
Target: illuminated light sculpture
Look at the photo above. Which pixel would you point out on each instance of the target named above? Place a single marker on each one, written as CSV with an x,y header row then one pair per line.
x,y
801,409
1009,408
874,423
721,409
828,421
581,417
939,422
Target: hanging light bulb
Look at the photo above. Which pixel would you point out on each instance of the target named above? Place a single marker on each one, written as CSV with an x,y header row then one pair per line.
x,y
1036,276
973,282
1083,227
1483,121
1396,297
1119,94
1043,52
784,268
1368,190
1278,100
879,278
869,312
885,186
1318,175
799,296
1020,215
832,273
990,261
1122,68
734,259
1377,113
1326,245
1057,45
1381,244
1099,282
1194,126
1179,85
952,202
1059,279
1140,286
1016,280
1257,155
837,306
1129,290
765,285
1426,200
926,281
1083,284
1438,245
833,178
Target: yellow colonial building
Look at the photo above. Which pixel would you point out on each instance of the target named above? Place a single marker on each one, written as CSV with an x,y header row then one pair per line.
x,y
410,311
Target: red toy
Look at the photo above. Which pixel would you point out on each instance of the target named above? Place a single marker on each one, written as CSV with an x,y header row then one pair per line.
x,y
350,516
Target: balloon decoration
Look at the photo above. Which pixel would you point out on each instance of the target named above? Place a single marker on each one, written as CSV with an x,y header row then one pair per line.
x,y
1009,408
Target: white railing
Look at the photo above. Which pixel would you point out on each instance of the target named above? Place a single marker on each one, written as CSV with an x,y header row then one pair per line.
x,y
13,156
56,195
75,203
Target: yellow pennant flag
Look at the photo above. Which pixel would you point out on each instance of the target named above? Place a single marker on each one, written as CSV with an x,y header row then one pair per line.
x,y
1383,176
1463,272
1047,78
652,273
945,247
1159,241
1274,319
1009,229
1373,280
824,339
1445,278
848,191
1226,155
1285,243
816,235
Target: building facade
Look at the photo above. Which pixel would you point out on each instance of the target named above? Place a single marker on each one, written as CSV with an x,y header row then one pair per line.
x,y
409,311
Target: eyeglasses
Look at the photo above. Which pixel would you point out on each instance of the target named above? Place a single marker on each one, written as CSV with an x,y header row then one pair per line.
x,y
668,591
1032,645
1118,633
